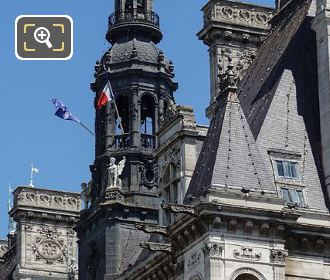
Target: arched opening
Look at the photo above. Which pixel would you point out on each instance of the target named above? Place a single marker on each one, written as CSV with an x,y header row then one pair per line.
x,y
122,122
147,125
129,5
141,5
246,276
171,190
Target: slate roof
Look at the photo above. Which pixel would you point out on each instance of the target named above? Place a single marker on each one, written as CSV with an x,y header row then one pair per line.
x,y
254,101
230,155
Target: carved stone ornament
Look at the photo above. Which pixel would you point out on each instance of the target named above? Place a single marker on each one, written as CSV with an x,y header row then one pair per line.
x,y
257,18
3,249
114,173
114,194
194,260
179,208
166,248
149,175
213,249
171,156
278,256
48,246
152,228
246,253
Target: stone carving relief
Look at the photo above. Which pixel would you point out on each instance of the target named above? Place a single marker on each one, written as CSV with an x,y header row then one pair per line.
x,y
194,260
246,253
253,17
278,256
166,248
247,270
171,156
48,200
3,249
149,174
213,249
48,246
196,277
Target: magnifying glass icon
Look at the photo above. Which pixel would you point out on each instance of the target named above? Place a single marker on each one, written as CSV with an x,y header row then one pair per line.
x,y
42,35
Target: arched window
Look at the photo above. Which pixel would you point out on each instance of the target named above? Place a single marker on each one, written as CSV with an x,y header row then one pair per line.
x,y
147,125
141,4
123,120
147,115
129,5
246,276
171,190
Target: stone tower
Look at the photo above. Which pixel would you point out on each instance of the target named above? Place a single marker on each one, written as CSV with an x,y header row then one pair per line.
x,y
124,182
233,31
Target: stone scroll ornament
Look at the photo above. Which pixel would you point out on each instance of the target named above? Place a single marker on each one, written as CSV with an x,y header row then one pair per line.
x,y
114,173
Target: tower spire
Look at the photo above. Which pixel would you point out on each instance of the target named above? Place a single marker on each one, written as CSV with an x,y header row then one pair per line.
x,y
11,224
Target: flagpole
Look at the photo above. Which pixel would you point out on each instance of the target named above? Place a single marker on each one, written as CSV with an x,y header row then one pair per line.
x,y
85,127
116,108
31,176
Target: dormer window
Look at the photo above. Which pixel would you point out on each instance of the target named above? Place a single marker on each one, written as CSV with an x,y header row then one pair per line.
x,y
287,169
288,176
293,195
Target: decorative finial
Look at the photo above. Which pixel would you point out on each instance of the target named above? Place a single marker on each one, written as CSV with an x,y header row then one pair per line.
x,y
11,224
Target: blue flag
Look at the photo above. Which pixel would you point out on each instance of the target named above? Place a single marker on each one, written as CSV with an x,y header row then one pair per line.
x,y
63,112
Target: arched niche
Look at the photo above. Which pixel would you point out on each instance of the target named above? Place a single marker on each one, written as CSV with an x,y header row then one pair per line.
x,y
247,273
196,277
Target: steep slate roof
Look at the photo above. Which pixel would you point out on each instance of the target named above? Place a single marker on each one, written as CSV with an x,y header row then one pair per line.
x,y
254,101
230,155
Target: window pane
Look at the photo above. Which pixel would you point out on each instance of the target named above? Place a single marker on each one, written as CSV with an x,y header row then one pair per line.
x,y
280,170
293,168
301,198
286,195
294,196
286,169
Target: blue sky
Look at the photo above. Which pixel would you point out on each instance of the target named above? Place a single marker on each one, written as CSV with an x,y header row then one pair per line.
x,y
62,150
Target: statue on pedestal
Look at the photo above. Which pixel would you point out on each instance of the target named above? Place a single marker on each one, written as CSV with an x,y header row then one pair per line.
x,y
86,192
114,173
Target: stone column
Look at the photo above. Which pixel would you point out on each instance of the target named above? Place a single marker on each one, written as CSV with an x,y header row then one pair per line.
x,y
321,26
213,262
110,129
135,118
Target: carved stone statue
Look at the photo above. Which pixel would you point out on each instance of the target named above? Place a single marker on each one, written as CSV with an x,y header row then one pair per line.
x,y
86,191
114,172
73,269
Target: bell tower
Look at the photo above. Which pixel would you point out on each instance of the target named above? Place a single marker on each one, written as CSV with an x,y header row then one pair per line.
x,y
124,185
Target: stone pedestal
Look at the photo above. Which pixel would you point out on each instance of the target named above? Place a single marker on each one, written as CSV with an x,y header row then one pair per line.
x,y
114,194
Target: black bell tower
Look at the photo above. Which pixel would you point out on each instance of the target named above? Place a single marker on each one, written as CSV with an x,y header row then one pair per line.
x,y
124,186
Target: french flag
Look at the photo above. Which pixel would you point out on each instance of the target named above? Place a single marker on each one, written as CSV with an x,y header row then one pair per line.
x,y
105,96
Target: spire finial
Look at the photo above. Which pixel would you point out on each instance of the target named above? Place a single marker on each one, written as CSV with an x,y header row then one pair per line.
x,y
11,224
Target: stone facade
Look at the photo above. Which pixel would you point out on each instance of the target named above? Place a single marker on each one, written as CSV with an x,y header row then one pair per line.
x,y
45,243
245,198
